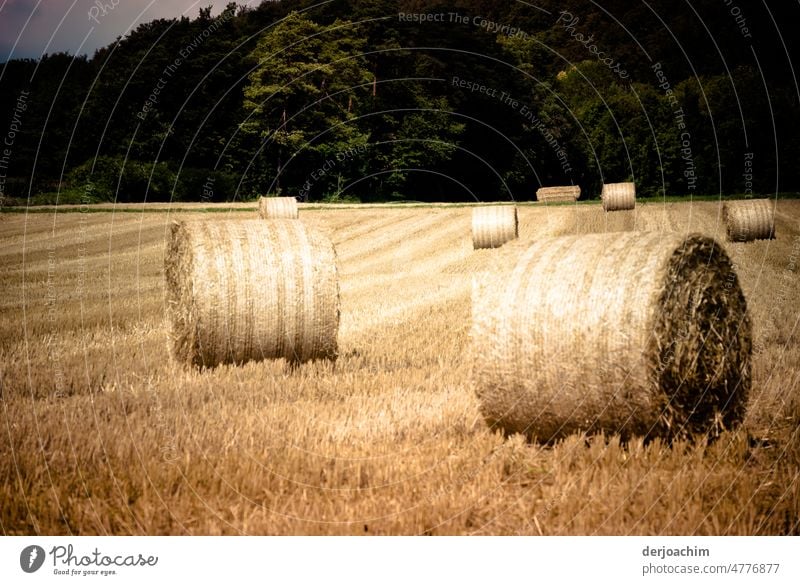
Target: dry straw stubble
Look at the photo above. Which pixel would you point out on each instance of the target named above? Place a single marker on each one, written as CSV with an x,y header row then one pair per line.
x,y
278,208
494,226
629,333
251,290
749,220
618,196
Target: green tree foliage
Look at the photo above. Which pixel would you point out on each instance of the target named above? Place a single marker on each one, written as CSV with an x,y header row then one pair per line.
x,y
303,96
289,96
109,178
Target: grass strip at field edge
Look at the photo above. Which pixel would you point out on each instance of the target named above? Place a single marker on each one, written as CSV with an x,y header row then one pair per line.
x,y
140,207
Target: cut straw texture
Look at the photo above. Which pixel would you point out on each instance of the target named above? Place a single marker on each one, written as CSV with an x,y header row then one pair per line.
x,y
494,226
746,221
278,208
558,194
618,196
638,334
251,290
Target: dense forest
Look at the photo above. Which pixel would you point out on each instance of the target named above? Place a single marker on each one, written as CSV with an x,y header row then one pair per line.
x,y
381,100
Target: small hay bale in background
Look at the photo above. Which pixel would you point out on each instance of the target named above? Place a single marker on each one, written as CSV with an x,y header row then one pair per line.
x,y
251,290
277,208
494,226
637,334
618,196
749,220
558,194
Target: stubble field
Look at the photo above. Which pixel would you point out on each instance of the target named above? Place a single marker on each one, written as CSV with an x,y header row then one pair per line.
x,y
102,433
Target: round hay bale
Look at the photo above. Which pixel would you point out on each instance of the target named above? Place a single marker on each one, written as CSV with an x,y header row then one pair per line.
x,y
277,208
750,220
630,333
251,290
558,194
618,196
494,226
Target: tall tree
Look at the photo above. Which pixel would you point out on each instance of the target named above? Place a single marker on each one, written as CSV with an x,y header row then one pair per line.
x,y
302,101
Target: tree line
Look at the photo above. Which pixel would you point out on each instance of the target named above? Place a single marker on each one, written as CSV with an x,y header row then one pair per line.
x,y
381,100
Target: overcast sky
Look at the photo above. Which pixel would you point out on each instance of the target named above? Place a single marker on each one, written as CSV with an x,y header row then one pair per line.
x,y
29,28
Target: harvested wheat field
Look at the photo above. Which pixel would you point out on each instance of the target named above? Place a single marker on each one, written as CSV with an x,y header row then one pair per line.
x,y
104,434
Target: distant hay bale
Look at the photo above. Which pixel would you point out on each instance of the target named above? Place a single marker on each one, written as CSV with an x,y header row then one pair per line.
x,y
558,194
632,333
278,208
618,196
251,290
749,220
494,226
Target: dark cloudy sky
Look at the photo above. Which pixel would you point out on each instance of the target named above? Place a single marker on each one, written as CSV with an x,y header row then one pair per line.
x,y
29,28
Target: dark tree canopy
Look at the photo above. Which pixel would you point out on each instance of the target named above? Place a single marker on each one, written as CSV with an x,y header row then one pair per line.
x,y
379,100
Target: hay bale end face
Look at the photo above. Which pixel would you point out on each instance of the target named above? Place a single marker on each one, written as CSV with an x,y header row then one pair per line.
x,y
494,226
618,196
628,333
251,290
278,208
749,220
558,194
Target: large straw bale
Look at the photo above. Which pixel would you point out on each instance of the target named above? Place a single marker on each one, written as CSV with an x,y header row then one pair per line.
x,y
278,208
558,194
494,226
632,333
618,196
251,290
749,220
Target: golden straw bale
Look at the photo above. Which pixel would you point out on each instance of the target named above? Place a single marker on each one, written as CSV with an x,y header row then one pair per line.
x,y
558,194
632,333
749,220
277,208
251,290
494,226
618,196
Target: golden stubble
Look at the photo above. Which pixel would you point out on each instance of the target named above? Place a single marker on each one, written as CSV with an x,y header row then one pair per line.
x,y
104,434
